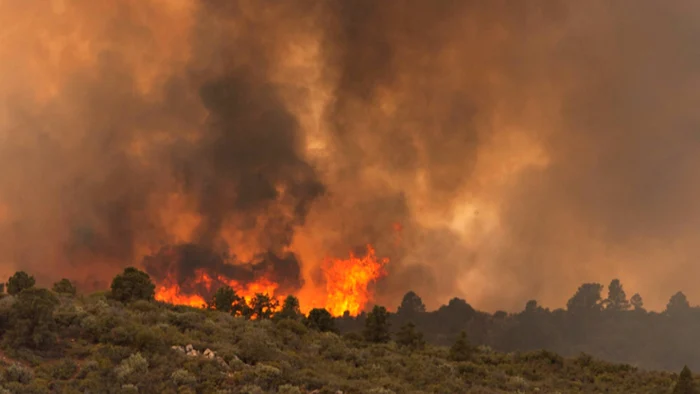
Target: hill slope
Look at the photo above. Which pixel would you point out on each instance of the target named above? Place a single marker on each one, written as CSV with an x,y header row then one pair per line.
x,y
93,344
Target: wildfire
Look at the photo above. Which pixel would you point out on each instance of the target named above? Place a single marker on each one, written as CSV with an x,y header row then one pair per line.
x,y
169,291
347,281
347,284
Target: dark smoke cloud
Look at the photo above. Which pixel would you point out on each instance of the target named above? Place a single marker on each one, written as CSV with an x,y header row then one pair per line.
x,y
524,147
182,264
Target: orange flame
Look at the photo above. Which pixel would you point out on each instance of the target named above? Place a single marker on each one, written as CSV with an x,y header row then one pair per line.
x,y
347,282
169,291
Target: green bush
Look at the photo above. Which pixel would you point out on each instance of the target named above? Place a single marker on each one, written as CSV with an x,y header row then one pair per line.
x,y
64,286
18,373
19,281
132,285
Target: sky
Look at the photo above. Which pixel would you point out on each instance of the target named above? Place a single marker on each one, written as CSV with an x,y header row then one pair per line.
x,y
494,151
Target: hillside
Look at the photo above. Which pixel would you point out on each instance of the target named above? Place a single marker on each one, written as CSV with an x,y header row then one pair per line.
x,y
55,341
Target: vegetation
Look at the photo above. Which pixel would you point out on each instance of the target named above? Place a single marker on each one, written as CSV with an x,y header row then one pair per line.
x,y
132,285
609,327
19,281
57,341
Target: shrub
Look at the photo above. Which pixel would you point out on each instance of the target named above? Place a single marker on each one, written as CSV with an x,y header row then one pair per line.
x,y
377,325
132,285
320,319
18,373
409,337
134,365
31,318
183,377
289,389
64,286
461,350
64,370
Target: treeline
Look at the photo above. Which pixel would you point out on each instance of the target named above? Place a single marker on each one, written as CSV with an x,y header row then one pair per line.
x,y
610,327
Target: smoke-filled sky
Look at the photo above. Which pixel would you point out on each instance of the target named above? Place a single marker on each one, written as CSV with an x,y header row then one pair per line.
x,y
524,147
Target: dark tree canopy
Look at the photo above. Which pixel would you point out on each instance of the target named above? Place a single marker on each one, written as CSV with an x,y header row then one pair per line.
x,y
461,350
685,384
320,319
33,324
677,305
617,299
262,306
131,285
64,286
290,309
409,337
587,299
19,281
377,325
637,302
224,299
411,305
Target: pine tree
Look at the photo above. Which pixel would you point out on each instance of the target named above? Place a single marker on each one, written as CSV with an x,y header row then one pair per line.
x,y
461,350
409,337
685,384
617,299
290,309
320,319
377,325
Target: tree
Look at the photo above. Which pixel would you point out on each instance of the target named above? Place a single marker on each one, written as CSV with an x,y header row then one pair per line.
x,y
290,309
617,299
262,306
19,281
411,305
320,319
131,285
685,384
586,300
636,302
377,325
409,337
224,299
31,319
461,350
64,286
678,305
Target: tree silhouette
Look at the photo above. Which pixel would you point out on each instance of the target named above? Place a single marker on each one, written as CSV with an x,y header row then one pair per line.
x,y
685,384
19,281
262,306
290,309
409,337
224,299
586,299
617,299
678,305
320,319
637,302
377,325
131,285
411,305
461,350
64,286
32,319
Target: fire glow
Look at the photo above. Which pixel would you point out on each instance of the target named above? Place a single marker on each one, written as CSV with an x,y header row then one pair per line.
x,y
347,285
169,291
348,281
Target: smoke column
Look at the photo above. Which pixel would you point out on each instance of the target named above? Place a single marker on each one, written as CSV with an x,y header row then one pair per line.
x,y
524,148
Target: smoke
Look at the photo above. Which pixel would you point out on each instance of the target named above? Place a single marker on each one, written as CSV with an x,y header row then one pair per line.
x,y
524,148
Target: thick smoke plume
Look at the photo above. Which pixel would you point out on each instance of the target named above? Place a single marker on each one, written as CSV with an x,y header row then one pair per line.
x,y
498,151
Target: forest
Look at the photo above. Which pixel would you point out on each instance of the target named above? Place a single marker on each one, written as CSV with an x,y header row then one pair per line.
x,y
596,321
124,341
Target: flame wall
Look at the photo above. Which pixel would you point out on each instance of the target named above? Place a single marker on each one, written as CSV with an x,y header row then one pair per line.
x,y
523,147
